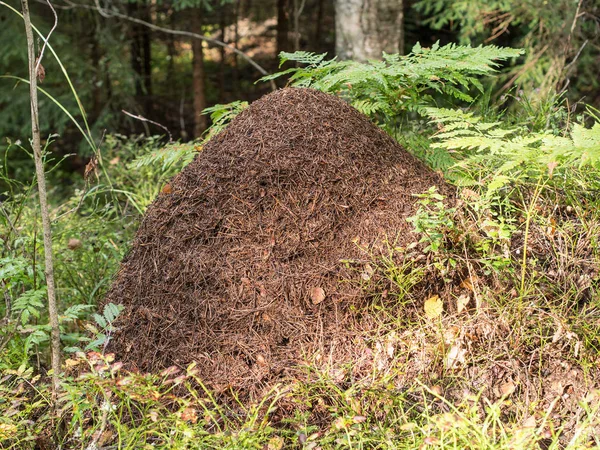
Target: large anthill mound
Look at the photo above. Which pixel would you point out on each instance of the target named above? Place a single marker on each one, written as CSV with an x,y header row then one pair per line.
x,y
238,266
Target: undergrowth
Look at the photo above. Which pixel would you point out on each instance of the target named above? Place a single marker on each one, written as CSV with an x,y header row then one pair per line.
x,y
484,332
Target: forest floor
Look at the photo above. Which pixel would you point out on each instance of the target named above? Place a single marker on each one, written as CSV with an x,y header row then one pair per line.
x,y
481,330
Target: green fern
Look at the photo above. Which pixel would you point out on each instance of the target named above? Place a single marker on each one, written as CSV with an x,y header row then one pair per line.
x,y
384,89
182,154
514,151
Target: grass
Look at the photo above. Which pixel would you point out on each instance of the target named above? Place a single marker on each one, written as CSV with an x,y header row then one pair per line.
x,y
509,361
516,366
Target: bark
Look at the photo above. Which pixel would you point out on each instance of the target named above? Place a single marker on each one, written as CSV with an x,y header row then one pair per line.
x,y
367,28
41,182
236,38
135,52
198,75
97,88
318,45
283,27
222,25
146,47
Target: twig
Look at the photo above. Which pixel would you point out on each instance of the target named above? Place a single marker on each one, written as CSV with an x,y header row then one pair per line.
x,y
47,38
143,119
109,14
568,67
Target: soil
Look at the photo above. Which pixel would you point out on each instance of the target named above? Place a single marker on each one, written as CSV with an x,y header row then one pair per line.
x,y
246,263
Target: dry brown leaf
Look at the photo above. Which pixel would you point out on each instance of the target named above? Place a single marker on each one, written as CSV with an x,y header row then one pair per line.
x,y
167,189
317,295
507,388
455,357
462,302
189,414
367,272
434,307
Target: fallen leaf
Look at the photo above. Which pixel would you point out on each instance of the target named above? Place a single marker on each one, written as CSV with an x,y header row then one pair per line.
x,y
114,161
456,357
74,243
434,307
462,302
167,189
189,414
317,295
367,272
507,388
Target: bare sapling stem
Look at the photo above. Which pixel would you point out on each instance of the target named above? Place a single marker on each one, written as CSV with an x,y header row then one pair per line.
x,y
41,182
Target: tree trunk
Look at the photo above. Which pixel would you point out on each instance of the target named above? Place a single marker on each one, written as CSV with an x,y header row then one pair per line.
x,y
318,45
222,25
136,57
198,75
236,38
41,182
146,47
367,28
283,27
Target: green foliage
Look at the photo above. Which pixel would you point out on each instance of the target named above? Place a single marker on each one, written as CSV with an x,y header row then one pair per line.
x,y
176,155
555,33
398,84
220,116
513,152
432,219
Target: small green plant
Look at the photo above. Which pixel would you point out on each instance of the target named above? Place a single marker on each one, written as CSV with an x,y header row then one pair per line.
x,y
386,89
432,220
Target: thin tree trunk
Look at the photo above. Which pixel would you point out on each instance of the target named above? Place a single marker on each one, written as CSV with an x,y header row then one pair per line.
x,y
41,181
136,56
366,28
283,27
236,38
146,54
222,24
298,8
172,52
198,76
319,26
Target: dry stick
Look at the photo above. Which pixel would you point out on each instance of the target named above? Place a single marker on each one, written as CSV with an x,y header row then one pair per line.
x,y
109,14
39,60
41,181
143,119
